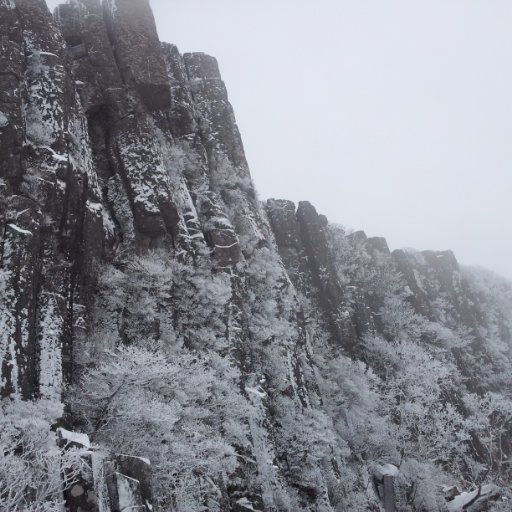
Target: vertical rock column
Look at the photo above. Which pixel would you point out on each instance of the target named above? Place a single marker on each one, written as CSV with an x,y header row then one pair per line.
x,y
132,31
91,54
228,171
11,122
312,228
31,192
283,220
45,198
16,259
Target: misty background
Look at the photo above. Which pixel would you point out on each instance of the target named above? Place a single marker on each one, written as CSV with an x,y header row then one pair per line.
x,y
390,116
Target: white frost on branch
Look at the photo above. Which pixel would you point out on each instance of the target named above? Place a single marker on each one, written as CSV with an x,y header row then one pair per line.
x,y
20,230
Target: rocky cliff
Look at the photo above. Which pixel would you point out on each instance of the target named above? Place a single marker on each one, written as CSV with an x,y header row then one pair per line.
x,y
261,358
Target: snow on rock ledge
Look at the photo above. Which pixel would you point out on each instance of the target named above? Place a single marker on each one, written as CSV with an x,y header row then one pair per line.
x,y
73,439
474,501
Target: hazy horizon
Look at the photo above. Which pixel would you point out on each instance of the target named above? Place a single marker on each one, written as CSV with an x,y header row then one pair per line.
x,y
393,117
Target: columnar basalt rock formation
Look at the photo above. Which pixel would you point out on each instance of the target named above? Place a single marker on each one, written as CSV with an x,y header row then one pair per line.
x,y
128,217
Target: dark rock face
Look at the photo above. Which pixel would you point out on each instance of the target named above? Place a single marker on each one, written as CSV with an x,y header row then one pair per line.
x,y
113,147
211,99
139,470
302,240
129,484
90,51
54,173
99,172
377,244
181,113
312,228
432,274
284,223
136,48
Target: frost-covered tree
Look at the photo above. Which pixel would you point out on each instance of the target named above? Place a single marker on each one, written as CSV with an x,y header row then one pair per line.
x,y
491,421
34,471
182,412
152,297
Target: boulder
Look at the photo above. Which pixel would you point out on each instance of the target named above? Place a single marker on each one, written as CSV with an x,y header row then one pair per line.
x,y
139,469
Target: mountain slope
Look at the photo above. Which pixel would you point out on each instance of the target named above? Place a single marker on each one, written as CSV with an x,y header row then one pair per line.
x,y
259,357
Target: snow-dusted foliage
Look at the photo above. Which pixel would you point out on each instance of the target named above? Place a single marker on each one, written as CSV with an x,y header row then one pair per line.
x,y
183,412
34,472
176,303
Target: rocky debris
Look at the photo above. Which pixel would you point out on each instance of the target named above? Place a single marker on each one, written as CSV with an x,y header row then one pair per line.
x,y
81,495
128,495
450,491
128,479
244,505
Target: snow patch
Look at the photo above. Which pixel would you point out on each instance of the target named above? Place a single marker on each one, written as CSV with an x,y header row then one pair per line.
x,y
244,502
256,391
383,470
465,498
55,155
48,53
127,491
4,121
93,207
108,224
50,363
113,7
20,230
74,437
226,246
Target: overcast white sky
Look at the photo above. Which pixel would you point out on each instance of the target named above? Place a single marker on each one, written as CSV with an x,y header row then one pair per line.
x,y
392,116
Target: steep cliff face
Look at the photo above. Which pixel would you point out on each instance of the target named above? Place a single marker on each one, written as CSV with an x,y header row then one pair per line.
x,y
262,358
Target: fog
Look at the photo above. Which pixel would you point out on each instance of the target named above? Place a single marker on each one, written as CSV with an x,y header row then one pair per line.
x,y
389,116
